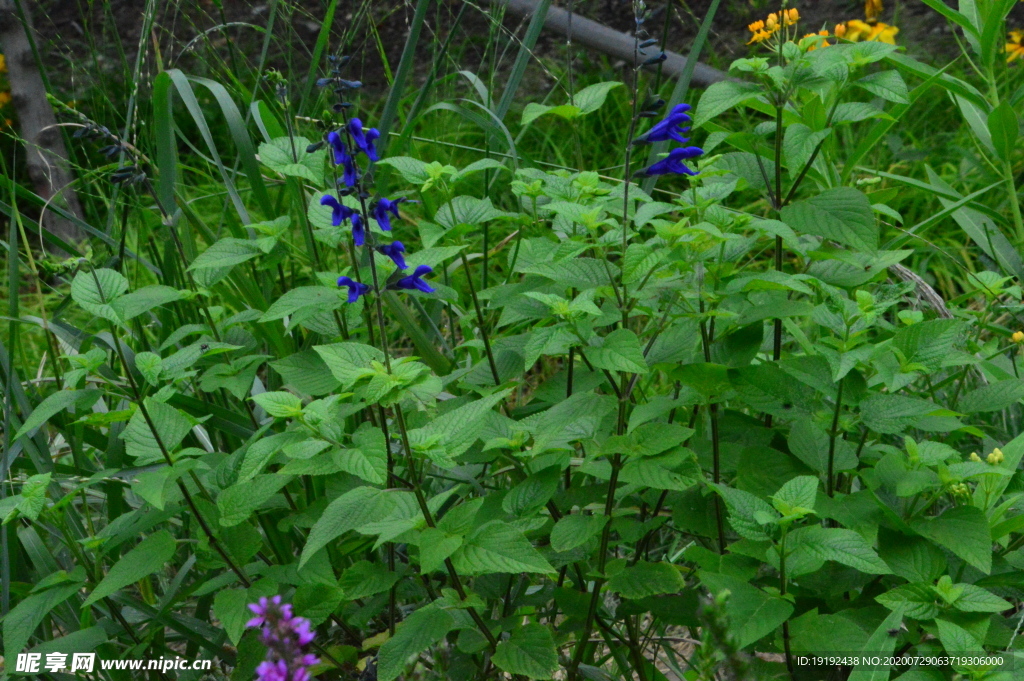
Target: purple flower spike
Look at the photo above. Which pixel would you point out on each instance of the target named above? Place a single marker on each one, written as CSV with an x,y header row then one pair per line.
x,y
286,638
338,147
384,209
372,135
669,128
339,211
415,280
358,229
394,250
355,289
673,163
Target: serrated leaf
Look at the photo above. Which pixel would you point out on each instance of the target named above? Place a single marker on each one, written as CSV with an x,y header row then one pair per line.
x,y
843,546
435,547
576,530
964,530
722,96
288,156
841,214
238,502
95,290
621,351
347,361
529,652
323,298
21,621
467,210
799,492
976,599
140,441
279,404
353,509
992,397
888,85
151,555
226,253
307,373
145,299
646,579
455,431
498,547
416,633
412,169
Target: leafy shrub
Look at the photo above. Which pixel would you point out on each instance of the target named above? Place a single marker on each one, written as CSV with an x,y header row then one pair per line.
x,y
574,426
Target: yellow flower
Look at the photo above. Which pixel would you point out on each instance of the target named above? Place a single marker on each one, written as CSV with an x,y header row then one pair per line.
x,y
756,26
857,30
840,30
872,8
773,22
1017,337
759,36
790,17
812,46
5,98
3,64
1015,46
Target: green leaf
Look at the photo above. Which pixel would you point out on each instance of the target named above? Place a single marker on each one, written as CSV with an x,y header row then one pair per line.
x,y
347,361
467,210
620,351
888,85
964,530
976,599
21,621
646,579
95,290
323,298
145,299
721,97
752,613
843,546
592,97
349,511
364,579
230,607
317,601
56,403
1004,128
576,530
800,143
894,413
880,643
287,155
455,431
532,493
279,404
799,492
747,514
842,214
435,547
238,502
307,373
956,640
151,555
498,547
226,253
416,633
529,652
992,397
411,169
140,440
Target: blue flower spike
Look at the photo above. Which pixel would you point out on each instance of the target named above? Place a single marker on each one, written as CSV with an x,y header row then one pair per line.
x,y
343,158
394,250
383,210
670,128
415,280
673,163
364,140
339,211
355,288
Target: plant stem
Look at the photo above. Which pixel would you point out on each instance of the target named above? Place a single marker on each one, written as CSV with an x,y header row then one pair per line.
x,y
829,483
480,320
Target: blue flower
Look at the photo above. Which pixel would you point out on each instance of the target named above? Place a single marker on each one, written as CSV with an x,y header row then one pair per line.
x,y
381,210
669,128
358,229
364,141
339,211
673,163
355,289
415,280
343,158
394,250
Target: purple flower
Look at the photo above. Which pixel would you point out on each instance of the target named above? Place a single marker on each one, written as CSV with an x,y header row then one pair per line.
x,y
673,163
286,638
415,280
339,211
394,250
343,158
364,141
669,128
382,209
358,229
355,289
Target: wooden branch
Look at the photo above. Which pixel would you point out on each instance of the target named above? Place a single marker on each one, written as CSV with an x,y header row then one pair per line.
x,y
46,157
609,41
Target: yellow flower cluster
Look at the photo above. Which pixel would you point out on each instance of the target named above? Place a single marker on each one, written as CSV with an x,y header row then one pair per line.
x,y
1017,337
763,30
856,30
994,458
1015,45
